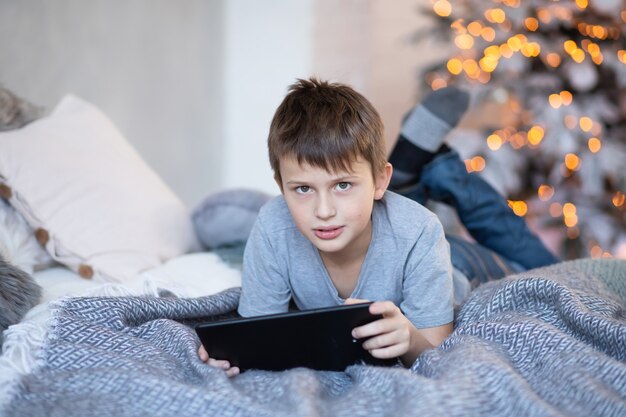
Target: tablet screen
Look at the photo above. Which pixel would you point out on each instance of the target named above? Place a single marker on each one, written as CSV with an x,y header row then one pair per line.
x,y
318,339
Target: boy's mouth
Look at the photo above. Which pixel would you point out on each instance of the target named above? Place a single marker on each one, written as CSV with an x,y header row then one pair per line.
x,y
328,232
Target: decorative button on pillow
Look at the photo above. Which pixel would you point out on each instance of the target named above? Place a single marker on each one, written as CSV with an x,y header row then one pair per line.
x,y
98,207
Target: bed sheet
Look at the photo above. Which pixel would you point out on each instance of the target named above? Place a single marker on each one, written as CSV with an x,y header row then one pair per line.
x,y
191,275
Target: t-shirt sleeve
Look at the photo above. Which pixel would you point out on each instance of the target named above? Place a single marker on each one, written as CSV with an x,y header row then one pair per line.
x,y
264,286
428,287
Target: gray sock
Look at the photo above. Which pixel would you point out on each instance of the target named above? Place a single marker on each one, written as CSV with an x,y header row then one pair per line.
x,y
429,122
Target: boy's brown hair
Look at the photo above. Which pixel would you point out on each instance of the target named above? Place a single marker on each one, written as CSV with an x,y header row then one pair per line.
x,y
326,125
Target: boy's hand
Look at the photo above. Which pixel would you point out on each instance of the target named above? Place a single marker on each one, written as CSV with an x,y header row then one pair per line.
x,y
390,336
395,336
221,364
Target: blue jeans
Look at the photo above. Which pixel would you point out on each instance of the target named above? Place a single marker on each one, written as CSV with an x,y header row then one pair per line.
x,y
504,244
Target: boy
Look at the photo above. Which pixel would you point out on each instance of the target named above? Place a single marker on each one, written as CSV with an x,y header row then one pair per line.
x,y
336,234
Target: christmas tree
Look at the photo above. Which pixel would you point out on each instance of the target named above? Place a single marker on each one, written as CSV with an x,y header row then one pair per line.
x,y
560,68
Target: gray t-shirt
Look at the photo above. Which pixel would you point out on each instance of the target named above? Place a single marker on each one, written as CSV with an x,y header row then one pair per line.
x,y
407,262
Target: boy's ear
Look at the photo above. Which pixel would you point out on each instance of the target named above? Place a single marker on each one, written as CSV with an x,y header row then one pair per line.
x,y
382,181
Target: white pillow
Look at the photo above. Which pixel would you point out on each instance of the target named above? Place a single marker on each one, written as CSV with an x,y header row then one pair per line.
x,y
95,203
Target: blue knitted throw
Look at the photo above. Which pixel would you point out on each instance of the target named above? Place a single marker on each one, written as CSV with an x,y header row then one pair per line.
x,y
548,342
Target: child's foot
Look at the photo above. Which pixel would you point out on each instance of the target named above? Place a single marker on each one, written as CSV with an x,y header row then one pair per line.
x,y
423,132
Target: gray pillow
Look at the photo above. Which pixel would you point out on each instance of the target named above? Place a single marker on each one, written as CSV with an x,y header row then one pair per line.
x,y
16,112
18,293
226,217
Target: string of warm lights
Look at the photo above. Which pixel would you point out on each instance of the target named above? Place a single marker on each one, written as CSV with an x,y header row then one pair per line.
x,y
479,68
499,40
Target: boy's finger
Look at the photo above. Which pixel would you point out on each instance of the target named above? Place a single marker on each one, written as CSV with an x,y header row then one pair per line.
x,y
389,352
217,363
382,341
384,308
234,371
204,356
373,329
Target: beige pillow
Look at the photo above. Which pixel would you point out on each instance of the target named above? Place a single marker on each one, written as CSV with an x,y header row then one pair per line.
x,y
94,203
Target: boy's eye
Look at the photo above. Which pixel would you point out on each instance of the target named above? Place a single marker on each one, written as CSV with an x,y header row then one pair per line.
x,y
303,189
343,186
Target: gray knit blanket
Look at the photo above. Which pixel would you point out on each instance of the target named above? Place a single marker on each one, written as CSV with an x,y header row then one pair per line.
x,y
548,342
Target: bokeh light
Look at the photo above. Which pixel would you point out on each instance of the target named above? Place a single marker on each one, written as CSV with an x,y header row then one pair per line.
x,y
443,8
520,208
572,161
594,145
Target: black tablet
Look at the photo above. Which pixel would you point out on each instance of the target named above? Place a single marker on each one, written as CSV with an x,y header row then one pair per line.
x,y
318,339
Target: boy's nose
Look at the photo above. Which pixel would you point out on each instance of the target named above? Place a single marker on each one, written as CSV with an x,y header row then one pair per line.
x,y
324,207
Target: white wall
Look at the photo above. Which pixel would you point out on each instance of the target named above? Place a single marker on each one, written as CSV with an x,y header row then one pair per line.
x,y
193,84
154,66
364,43
267,46
370,45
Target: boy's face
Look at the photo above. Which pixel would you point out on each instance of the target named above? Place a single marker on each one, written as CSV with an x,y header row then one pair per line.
x,y
333,209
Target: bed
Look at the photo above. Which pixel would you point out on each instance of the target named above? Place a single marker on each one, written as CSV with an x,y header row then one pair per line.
x,y
547,342
112,333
